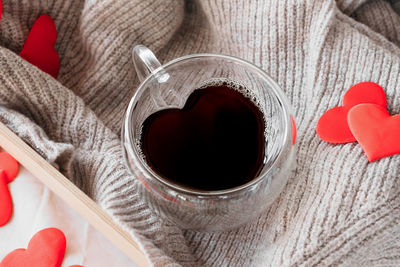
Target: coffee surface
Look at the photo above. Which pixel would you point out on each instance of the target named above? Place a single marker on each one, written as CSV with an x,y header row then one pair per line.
x,y
215,142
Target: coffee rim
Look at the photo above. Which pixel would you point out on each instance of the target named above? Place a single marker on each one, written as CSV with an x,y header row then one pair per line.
x,y
282,100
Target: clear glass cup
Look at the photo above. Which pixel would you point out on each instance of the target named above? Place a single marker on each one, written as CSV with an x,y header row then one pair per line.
x,y
168,86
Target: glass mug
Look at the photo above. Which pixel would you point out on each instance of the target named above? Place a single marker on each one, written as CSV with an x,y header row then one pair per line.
x,y
169,86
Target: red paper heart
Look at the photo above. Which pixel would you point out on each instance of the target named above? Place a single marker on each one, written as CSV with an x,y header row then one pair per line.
x,y
9,165
46,249
6,205
1,8
375,130
332,127
294,129
39,46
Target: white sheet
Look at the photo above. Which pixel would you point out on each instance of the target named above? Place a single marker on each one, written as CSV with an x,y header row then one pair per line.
x,y
36,208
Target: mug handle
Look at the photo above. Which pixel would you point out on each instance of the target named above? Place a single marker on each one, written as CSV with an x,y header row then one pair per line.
x,y
146,64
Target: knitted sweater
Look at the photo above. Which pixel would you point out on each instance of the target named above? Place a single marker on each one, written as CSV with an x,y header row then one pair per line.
x,y
337,209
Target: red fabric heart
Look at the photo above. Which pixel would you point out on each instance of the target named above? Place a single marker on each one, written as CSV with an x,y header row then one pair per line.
x,y
39,46
6,206
1,8
332,127
9,165
375,130
46,249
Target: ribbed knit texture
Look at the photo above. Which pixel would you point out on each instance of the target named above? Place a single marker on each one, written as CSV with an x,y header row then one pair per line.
x,y
337,209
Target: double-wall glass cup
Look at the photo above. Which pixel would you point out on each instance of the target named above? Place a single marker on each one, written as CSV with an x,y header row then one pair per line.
x,y
169,86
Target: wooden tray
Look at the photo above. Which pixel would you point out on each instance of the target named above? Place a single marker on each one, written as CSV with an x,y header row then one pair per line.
x,y
71,194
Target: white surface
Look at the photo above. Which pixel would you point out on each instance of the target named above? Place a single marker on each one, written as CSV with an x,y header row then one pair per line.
x,y
36,208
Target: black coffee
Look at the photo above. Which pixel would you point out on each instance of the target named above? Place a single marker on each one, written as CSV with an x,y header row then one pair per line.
x,y
215,142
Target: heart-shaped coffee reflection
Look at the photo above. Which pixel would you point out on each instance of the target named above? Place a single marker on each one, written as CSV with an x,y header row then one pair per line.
x,y
215,142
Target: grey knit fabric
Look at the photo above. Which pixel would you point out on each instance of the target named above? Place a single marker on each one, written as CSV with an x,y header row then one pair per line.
x,y
337,209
